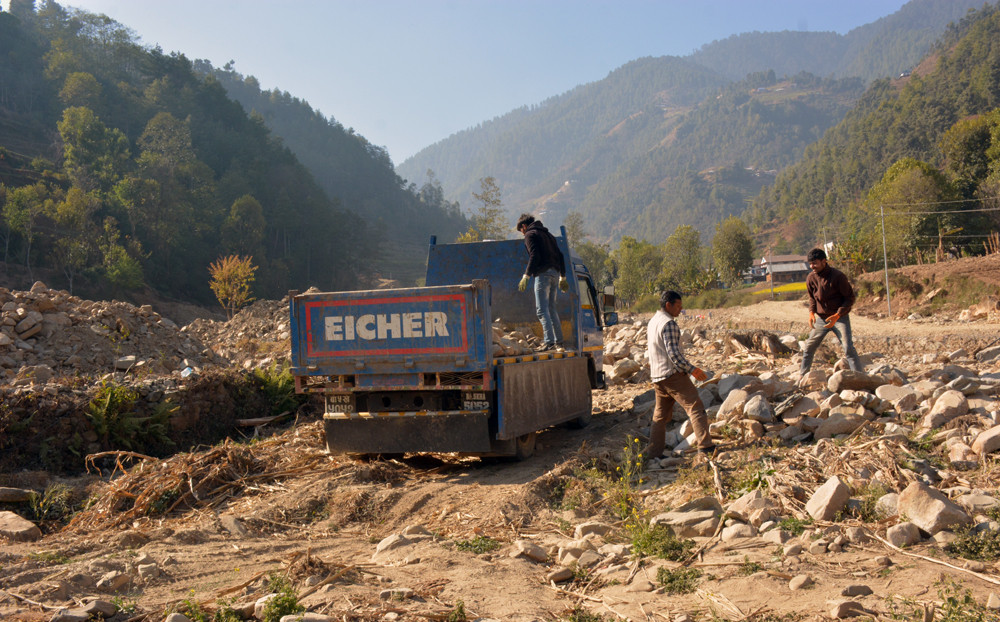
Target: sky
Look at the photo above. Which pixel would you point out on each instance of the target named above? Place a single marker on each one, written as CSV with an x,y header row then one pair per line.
x,y
408,73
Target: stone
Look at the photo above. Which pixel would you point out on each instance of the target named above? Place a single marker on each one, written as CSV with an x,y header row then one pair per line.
x,y
888,504
993,602
847,609
839,423
733,404
307,616
18,529
904,399
828,499
526,548
856,590
792,550
948,406
14,495
395,541
962,457
855,380
736,531
113,581
929,509
813,379
699,517
757,408
800,582
71,615
592,527
100,608
977,503
640,585
396,593
559,575
233,525
177,617
987,441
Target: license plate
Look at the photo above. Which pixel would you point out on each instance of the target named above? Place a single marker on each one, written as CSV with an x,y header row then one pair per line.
x,y
340,404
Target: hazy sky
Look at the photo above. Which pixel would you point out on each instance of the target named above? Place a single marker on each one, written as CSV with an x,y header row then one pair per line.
x,y
408,73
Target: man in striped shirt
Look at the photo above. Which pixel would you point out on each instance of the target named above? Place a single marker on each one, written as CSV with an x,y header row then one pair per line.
x,y
669,370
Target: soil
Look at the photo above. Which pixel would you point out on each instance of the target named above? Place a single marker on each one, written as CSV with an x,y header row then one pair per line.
x,y
319,517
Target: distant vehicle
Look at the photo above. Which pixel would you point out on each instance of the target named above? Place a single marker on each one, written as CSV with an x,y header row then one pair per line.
x,y
905,74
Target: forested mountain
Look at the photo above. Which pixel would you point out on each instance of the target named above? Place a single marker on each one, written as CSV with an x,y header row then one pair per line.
x,y
886,47
401,216
669,141
938,129
123,168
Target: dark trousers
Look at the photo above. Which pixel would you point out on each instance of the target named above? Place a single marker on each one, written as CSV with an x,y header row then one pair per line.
x,y
679,389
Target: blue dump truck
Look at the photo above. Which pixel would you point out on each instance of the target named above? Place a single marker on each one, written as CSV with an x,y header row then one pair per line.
x,y
417,369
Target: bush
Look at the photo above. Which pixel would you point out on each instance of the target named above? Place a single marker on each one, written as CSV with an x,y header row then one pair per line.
x,y
679,580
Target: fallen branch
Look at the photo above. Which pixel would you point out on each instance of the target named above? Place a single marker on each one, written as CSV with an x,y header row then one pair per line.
x,y
934,561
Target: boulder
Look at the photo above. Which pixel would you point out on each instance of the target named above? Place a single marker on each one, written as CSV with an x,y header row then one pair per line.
x,y
987,441
856,380
18,529
828,499
930,510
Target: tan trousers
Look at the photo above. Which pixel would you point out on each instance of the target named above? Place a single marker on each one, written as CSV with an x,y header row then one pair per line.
x,y
676,388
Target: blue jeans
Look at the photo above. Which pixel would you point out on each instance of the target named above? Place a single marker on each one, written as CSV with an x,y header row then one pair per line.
x,y
842,329
546,287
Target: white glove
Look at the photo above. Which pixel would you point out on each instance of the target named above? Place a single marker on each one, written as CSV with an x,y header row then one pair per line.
x,y
523,285
563,284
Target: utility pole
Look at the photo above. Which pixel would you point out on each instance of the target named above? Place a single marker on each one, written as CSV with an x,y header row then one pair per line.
x,y
885,264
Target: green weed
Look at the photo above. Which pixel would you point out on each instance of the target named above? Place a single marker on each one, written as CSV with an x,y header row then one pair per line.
x,y
478,545
53,504
658,541
117,423
957,605
278,386
794,526
978,545
49,557
678,580
458,613
748,567
284,603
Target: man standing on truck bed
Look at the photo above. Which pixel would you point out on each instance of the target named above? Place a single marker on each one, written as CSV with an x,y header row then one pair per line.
x,y
545,264
669,371
831,298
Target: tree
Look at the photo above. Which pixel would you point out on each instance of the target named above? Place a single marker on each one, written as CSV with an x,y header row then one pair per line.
x,y
120,268
80,89
232,277
96,156
682,259
908,188
243,231
595,257
489,222
732,249
636,264
23,209
575,231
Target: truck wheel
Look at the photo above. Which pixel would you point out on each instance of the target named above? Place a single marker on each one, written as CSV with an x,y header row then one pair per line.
x,y
524,446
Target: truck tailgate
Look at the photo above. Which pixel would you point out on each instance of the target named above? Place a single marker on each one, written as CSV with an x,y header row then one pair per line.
x,y
395,331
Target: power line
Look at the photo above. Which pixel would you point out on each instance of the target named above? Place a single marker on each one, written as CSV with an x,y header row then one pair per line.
x,y
941,202
953,211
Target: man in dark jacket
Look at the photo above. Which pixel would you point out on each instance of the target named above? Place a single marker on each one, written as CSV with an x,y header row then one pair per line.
x,y
547,266
830,298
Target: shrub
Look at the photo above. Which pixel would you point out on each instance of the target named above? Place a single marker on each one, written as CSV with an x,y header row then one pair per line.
x,y
678,580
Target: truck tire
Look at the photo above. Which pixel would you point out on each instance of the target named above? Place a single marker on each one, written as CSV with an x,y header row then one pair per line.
x,y
524,446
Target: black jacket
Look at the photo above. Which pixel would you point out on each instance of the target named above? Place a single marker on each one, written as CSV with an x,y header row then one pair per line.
x,y
543,252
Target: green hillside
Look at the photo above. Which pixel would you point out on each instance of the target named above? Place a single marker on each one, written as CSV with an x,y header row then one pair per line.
x,y
124,169
936,128
361,175
668,141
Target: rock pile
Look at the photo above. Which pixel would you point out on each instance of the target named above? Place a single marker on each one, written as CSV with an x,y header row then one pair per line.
x,y
49,333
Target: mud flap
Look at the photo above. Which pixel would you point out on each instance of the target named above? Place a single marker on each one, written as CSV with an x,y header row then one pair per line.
x,y
465,432
539,394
